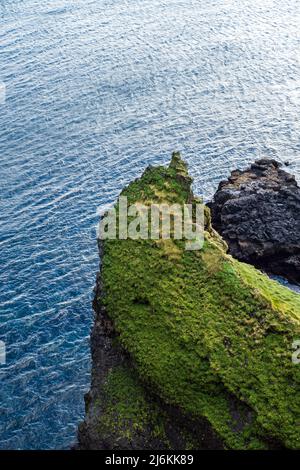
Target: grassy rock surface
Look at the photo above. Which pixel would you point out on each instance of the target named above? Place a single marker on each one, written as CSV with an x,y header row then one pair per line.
x,y
197,332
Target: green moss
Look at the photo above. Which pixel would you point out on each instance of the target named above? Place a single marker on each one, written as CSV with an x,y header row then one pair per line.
x,y
203,328
127,410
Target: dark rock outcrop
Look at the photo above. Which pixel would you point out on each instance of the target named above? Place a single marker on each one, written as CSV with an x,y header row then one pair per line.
x,y
257,212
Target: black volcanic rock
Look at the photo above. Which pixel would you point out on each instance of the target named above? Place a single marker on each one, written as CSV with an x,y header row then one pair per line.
x,y
257,212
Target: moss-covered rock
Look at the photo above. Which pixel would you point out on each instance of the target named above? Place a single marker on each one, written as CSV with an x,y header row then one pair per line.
x,y
204,332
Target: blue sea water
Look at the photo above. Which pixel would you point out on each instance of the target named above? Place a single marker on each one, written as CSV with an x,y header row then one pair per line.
x,y
95,91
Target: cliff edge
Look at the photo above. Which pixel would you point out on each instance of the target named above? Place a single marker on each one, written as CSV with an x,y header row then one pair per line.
x,y
191,349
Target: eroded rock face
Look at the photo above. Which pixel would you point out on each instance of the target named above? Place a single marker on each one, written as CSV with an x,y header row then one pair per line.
x,y
257,212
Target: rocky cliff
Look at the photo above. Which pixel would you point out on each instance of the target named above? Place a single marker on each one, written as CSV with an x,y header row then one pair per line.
x,y
190,349
257,212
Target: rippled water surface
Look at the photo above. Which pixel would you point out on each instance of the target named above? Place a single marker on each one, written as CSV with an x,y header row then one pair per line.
x,y
95,91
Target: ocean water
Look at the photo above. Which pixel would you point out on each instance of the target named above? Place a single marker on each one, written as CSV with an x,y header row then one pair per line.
x,y
91,92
